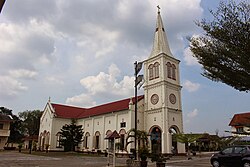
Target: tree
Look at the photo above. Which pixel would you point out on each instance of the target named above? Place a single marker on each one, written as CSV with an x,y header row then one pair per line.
x,y
187,139
16,130
224,49
71,135
31,121
142,141
5,111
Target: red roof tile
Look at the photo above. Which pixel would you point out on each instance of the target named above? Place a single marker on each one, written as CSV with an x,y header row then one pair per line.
x,y
64,111
242,119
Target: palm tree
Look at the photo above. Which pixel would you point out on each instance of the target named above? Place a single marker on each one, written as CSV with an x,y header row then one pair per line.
x,y
141,137
187,139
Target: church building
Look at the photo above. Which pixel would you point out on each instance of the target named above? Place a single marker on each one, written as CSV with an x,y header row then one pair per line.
x,y
159,110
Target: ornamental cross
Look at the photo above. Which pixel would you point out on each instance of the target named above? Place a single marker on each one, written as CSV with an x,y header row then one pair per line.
x,y
158,8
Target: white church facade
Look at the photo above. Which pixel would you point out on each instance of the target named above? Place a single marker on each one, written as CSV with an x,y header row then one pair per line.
x,y
159,110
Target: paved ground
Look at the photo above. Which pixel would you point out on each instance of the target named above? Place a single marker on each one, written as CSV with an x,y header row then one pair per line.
x,y
15,159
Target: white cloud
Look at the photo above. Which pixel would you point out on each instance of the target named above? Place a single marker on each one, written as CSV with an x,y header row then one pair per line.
x,y
23,73
82,100
190,86
189,59
97,39
114,71
193,114
10,87
105,85
26,46
54,80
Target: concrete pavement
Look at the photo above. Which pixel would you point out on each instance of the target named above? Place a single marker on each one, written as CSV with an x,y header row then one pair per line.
x,y
16,159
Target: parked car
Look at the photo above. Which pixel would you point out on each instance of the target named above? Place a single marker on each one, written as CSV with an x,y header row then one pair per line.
x,y
232,156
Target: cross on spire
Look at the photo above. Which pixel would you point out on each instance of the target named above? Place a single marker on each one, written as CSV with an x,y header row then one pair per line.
x,y
158,8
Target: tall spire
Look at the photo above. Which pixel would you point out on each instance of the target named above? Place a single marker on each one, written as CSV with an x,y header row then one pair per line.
x,y
160,44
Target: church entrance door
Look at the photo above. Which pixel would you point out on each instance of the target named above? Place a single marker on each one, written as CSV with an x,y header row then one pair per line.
x,y
155,137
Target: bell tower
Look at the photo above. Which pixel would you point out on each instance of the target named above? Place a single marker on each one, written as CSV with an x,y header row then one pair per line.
x,y
162,91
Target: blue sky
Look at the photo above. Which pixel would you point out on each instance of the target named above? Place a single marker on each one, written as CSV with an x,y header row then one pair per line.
x,y
82,53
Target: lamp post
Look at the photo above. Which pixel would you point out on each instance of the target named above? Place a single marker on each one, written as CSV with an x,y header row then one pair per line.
x,y
138,79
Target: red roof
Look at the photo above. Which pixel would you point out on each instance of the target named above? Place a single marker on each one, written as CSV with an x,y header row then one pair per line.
x,y
242,119
64,111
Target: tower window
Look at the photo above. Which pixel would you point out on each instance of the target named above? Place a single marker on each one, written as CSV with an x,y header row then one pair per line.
x,y
173,72
156,67
151,71
169,71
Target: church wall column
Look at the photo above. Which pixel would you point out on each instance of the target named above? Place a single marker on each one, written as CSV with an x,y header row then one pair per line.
x,y
169,142
163,138
164,141
91,144
181,147
103,146
116,123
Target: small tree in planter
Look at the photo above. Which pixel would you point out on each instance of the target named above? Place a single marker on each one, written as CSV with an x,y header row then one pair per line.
x,y
142,139
47,148
157,157
143,154
20,145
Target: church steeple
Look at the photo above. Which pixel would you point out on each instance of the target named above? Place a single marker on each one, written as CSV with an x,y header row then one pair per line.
x,y
160,44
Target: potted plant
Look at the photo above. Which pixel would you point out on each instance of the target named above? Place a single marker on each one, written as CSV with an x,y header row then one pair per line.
x,y
156,156
143,154
47,148
20,145
142,143
159,159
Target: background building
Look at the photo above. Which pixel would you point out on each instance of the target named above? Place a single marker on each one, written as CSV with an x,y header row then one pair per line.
x,y
5,121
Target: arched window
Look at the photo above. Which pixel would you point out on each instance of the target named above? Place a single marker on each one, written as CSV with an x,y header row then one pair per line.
x,y
58,142
173,72
156,69
97,140
169,66
122,139
47,136
86,140
151,71
110,144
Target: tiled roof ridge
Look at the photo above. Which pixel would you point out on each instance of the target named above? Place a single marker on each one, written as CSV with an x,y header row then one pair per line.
x,y
242,113
80,112
68,105
109,103
104,104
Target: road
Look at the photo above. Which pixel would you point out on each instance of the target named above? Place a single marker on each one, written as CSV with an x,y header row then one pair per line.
x,y
195,162
15,159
